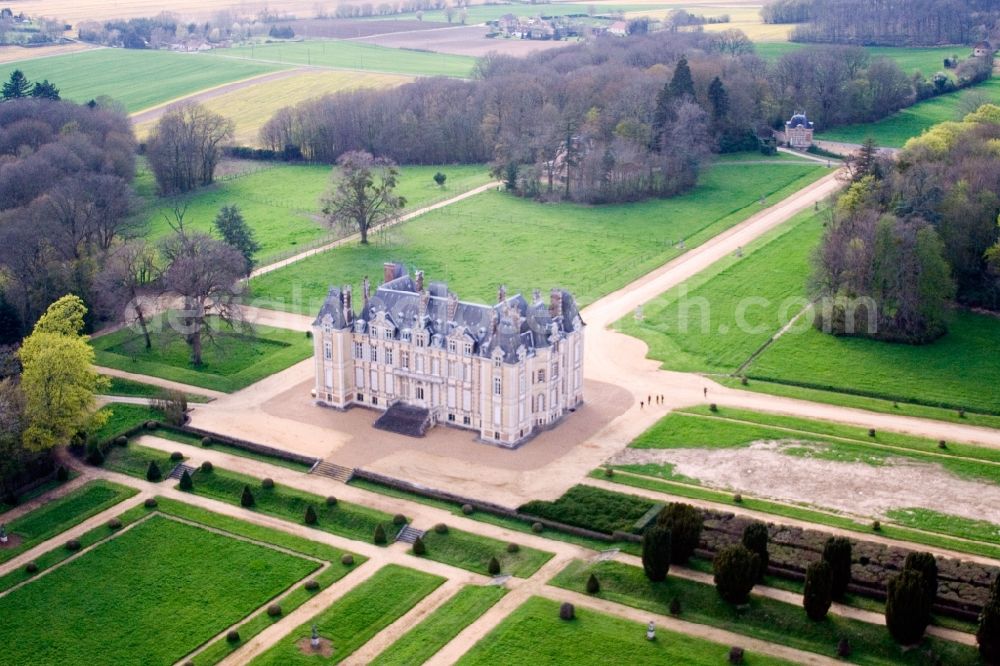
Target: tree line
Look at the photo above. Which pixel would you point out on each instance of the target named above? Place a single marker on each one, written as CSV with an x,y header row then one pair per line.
x,y
886,22
607,120
913,236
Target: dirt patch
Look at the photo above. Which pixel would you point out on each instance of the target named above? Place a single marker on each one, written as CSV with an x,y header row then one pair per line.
x,y
13,541
325,648
461,40
763,470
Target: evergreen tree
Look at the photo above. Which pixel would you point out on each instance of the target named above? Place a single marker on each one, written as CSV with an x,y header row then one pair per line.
x,y
45,90
419,547
663,114
926,564
379,537
237,233
719,99
684,522
153,472
818,593
10,323
837,552
310,516
493,567
735,570
656,553
988,634
186,483
246,499
593,585
755,538
439,178
907,611
682,84
17,86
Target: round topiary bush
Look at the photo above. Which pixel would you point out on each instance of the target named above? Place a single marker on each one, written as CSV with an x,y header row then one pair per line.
x,y
876,526
152,425
121,440
177,456
871,432
744,381
312,585
207,467
331,501
441,528
233,636
467,509
347,560
942,444
567,611
72,545
150,503
31,567
609,471
961,413
713,407
513,547
309,335
267,484
735,655
274,610
738,498
399,520
206,441
114,524
735,568
537,528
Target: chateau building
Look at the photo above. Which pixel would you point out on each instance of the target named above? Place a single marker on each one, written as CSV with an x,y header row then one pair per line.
x,y
504,370
799,132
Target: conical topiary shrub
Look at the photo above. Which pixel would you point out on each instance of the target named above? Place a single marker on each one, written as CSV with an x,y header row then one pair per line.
x,y
246,499
310,516
186,483
494,566
593,585
419,548
153,472
379,537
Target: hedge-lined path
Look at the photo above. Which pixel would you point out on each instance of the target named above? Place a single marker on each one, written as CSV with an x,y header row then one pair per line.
x,y
763,516
157,381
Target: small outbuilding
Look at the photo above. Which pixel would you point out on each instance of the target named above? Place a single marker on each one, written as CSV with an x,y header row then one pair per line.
x,y
982,50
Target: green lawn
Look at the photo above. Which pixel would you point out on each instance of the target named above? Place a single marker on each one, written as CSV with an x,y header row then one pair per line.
x,y
763,618
233,361
133,389
60,514
717,320
194,440
139,79
149,596
926,60
589,250
357,616
347,520
282,203
122,417
912,121
134,460
352,55
534,634
473,552
423,641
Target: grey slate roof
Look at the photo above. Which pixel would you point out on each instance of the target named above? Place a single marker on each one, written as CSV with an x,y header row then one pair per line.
x,y
507,326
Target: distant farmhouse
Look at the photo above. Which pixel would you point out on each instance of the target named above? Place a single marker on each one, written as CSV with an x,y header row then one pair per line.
x,y
982,50
423,357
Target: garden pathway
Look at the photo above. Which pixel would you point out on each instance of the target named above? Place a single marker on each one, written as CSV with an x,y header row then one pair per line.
x,y
46,497
157,381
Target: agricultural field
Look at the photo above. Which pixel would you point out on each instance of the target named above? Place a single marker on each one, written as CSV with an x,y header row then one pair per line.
x,y
589,250
466,40
481,13
534,634
926,60
350,55
18,53
115,599
252,106
282,202
895,130
232,361
138,79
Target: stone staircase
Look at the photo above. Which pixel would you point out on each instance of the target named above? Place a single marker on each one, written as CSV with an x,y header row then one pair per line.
x,y
333,471
409,534
178,471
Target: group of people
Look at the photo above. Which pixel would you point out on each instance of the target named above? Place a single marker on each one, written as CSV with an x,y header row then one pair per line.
x,y
649,400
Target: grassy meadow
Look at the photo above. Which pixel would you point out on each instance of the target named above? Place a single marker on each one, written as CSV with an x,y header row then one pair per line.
x,y
138,79
251,107
926,60
282,202
149,596
351,55
590,250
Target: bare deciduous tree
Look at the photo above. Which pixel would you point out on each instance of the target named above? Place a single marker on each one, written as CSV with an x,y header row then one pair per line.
x,y
363,193
185,146
125,281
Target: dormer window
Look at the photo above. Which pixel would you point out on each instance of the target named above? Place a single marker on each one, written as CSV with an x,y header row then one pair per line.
x,y
387,333
468,349
452,346
406,335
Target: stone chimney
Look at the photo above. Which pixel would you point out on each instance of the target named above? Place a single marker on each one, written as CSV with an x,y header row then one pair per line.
x,y
502,293
452,306
425,298
345,297
367,289
419,281
555,303
536,297
388,272
494,321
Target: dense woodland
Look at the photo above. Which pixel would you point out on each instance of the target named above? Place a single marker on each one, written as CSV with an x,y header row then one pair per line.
x,y
911,236
607,120
887,22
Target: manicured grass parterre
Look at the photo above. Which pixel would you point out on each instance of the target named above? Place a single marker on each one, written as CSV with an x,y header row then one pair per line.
x,y
762,618
137,78
423,641
134,460
534,634
215,445
60,514
348,520
233,361
473,552
282,203
148,596
351,55
589,250
357,616
912,121
133,389
123,417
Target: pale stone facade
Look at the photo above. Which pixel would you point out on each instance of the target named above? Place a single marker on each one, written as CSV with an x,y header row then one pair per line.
x,y
799,132
503,370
